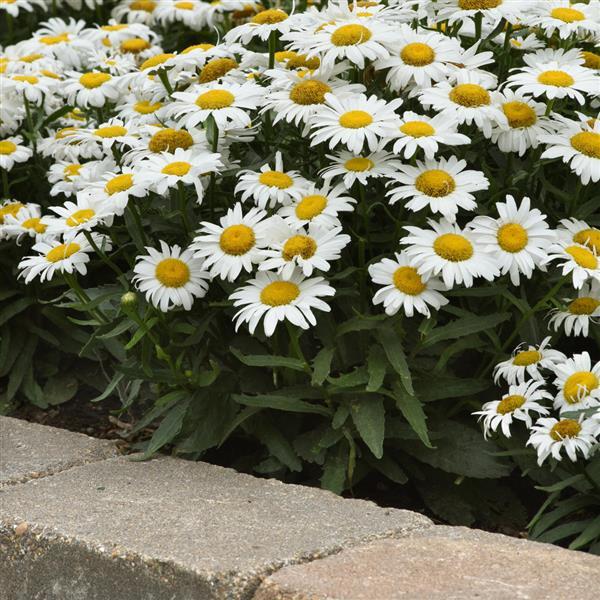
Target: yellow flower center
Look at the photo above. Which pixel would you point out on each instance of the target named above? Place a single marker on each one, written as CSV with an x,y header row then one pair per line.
x,y
582,256
588,143
350,35
93,80
566,428
512,237
168,140
118,27
34,223
79,217
184,5
145,5
309,92
519,114
10,209
417,54
299,245
215,99
135,45
285,55
301,61
579,385
555,78
584,306
359,164
64,132
591,60
311,206
26,79
237,239
154,61
110,131
145,107
355,119
50,74
435,183
172,272
31,58
51,40
62,252
526,358
417,129
408,281
120,183
453,247
276,179
478,4
470,95
270,16
510,404
215,68
203,47
7,147
588,237
71,171
279,293
177,168
567,15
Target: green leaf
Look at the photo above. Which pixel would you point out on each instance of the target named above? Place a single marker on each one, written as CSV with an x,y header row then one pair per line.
x,y
109,388
439,388
412,410
565,530
394,351
284,403
359,323
322,365
368,415
589,534
266,360
168,429
141,333
57,114
334,470
376,366
464,326
242,416
12,310
20,367
388,467
277,444
60,389
561,485
358,377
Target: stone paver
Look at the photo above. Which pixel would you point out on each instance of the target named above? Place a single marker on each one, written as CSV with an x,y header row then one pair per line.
x,y
448,563
28,450
170,529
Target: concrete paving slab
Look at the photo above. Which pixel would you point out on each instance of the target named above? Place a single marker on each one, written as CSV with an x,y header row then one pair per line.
x,y
449,563
171,529
29,450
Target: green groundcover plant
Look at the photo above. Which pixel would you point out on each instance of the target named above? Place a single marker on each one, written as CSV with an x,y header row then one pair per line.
x,y
338,239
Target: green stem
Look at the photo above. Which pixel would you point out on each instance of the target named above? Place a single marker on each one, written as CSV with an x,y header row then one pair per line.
x,y
183,208
30,126
272,48
83,297
5,186
138,221
549,106
105,259
295,344
164,79
478,18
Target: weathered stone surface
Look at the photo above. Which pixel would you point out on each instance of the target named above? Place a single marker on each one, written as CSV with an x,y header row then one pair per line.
x,y
171,529
441,563
29,450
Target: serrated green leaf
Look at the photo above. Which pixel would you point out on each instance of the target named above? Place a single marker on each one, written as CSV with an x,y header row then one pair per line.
x,y
392,346
377,367
439,388
368,415
464,326
284,403
13,309
412,410
322,365
334,469
267,360
168,429
388,467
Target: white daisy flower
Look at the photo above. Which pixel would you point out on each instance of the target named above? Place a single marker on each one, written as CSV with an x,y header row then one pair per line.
x,y
550,436
404,288
27,221
93,88
442,185
578,144
492,10
319,205
565,18
261,25
578,382
451,251
116,187
135,11
578,260
523,44
470,100
273,299
13,7
579,232
270,187
233,245
12,151
355,121
33,87
290,249
526,123
141,110
360,168
106,135
63,257
82,215
9,207
516,405
579,312
64,175
426,133
527,361
170,277
227,103
192,13
518,237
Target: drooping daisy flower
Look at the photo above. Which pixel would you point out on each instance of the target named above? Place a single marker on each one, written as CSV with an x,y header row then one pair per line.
x,y
442,185
27,221
578,382
360,168
448,250
518,237
565,17
274,299
578,260
270,187
354,121
9,207
578,144
526,361
579,312
319,205
404,288
550,436
579,232
292,249
233,245
170,277
427,133
12,151
261,25
516,405
470,100
94,88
